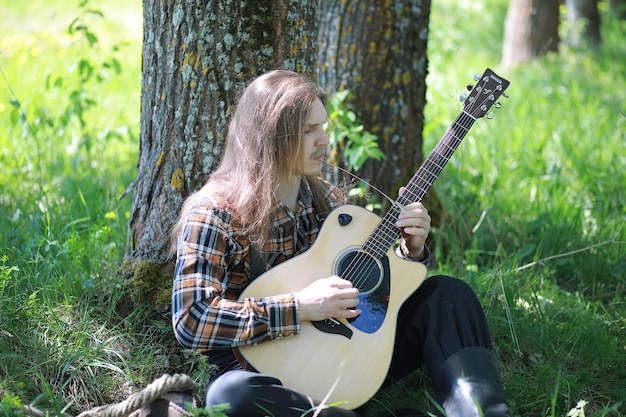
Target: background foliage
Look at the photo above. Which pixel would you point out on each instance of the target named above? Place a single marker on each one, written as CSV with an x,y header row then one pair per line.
x,y
535,212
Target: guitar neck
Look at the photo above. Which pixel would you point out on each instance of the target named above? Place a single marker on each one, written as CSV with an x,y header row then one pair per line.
x,y
426,175
386,233
481,98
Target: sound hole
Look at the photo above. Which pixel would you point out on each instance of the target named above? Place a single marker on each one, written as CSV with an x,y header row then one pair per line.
x,y
363,270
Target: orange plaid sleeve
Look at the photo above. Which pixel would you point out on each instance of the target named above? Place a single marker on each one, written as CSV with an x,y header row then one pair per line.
x,y
210,272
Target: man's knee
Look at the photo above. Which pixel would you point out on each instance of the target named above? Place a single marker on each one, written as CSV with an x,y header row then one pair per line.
x,y
232,390
445,284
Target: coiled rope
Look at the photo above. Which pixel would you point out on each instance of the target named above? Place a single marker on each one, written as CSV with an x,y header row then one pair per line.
x,y
127,408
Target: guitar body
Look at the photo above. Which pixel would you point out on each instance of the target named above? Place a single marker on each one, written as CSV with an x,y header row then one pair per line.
x,y
359,354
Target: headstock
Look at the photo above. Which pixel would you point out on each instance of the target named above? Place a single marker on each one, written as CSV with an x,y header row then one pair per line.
x,y
489,87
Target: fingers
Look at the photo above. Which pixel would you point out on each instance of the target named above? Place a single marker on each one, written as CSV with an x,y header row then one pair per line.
x,y
340,283
347,313
347,308
414,210
415,222
329,297
345,296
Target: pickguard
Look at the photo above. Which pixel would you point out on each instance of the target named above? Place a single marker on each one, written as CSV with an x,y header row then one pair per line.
x,y
373,305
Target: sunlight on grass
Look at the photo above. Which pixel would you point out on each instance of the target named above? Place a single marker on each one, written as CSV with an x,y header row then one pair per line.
x,y
66,114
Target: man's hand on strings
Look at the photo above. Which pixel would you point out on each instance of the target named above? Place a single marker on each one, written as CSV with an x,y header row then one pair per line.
x,y
414,222
328,297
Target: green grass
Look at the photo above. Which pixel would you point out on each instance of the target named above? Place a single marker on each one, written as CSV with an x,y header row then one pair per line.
x,y
535,222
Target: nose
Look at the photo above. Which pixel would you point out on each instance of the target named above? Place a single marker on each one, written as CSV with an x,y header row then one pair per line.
x,y
322,139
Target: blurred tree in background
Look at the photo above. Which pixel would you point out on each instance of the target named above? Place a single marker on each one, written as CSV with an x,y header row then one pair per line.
x,y
532,26
584,18
531,29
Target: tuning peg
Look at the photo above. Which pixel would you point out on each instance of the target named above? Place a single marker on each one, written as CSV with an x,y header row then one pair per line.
x,y
505,95
497,105
489,115
476,77
462,97
469,87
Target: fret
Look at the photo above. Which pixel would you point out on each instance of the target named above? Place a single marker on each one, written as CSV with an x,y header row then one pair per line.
x,y
476,105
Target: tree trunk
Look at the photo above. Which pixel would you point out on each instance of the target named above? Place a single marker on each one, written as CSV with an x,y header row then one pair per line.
x,y
197,56
619,8
378,52
584,21
531,30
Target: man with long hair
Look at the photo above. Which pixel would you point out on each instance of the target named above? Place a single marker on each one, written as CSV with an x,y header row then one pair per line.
x,y
264,205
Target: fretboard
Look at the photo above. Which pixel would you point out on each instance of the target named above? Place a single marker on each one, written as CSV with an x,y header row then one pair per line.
x,y
386,233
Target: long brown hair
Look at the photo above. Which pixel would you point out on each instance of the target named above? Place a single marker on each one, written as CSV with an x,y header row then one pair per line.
x,y
263,144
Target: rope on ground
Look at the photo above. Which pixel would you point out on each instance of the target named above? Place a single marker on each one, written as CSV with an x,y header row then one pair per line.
x,y
166,383
34,412
162,385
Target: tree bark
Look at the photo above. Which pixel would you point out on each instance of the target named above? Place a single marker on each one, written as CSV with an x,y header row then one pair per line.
x,y
197,56
377,50
619,8
584,21
531,30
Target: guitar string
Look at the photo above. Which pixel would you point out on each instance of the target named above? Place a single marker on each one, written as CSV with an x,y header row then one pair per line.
x,y
447,153
390,232
358,266
362,269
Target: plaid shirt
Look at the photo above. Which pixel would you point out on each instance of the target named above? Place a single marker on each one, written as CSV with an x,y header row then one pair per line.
x,y
213,268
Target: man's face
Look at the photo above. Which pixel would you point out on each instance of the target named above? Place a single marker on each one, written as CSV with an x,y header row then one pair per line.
x,y
315,139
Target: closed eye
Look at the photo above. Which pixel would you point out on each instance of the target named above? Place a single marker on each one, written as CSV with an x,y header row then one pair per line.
x,y
310,128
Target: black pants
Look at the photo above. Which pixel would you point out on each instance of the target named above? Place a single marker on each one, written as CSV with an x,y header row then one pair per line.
x,y
442,317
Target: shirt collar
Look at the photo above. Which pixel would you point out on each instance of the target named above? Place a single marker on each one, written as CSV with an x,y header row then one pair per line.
x,y
305,196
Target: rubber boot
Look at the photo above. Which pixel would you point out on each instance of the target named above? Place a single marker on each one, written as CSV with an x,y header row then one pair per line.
x,y
468,384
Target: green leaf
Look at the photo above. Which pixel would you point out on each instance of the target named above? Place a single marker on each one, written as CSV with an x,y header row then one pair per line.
x,y
71,28
93,39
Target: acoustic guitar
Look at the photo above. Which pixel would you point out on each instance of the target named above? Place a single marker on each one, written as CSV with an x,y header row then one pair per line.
x,y
346,361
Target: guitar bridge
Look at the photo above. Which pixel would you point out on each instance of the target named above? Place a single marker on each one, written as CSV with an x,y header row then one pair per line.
x,y
333,326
